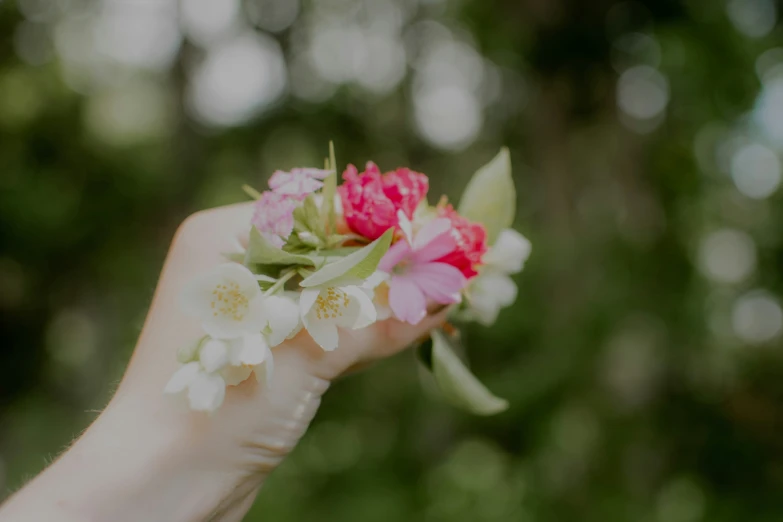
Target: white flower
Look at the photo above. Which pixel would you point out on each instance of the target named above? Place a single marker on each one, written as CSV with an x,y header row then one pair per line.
x,y
377,287
281,315
488,294
509,253
493,289
227,301
325,308
221,363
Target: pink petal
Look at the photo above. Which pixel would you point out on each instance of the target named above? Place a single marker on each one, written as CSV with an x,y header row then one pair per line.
x,y
406,300
398,252
299,187
436,248
278,178
440,282
430,231
312,173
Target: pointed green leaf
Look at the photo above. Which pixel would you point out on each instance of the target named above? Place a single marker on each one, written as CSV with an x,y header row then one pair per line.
x,y
490,197
328,192
358,265
458,385
307,218
261,252
235,257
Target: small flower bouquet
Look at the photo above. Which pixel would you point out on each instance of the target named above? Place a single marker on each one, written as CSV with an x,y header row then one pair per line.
x,y
325,257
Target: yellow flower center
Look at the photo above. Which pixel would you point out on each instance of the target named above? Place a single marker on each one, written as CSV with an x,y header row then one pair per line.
x,y
229,301
332,304
382,294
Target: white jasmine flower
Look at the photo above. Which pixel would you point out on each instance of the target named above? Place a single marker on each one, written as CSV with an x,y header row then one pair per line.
x,y
324,309
281,314
227,301
221,363
493,289
509,253
488,294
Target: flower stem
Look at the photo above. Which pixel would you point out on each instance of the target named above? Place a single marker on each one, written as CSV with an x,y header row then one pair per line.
x,y
280,283
250,191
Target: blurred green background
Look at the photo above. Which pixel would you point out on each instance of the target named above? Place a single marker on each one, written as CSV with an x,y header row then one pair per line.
x,y
642,359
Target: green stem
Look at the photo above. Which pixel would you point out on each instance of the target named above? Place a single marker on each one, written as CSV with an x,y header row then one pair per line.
x,y
250,191
280,282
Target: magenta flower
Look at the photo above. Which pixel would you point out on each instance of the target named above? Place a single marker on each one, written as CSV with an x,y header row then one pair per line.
x,y
299,183
416,276
274,217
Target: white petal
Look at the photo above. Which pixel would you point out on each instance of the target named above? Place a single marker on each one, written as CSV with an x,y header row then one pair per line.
x,y
375,279
182,377
509,252
252,350
196,297
307,300
241,276
501,286
366,310
206,392
283,316
234,375
264,371
221,327
255,319
213,355
488,294
323,332
405,226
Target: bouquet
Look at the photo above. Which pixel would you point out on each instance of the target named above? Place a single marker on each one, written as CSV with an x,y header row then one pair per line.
x,y
323,257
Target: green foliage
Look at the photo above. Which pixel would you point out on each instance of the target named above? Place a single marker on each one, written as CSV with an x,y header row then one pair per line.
x,y
356,266
456,383
262,252
490,197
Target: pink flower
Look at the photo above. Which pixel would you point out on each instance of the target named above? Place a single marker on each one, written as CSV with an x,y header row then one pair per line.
x,y
416,276
471,242
371,200
274,217
298,183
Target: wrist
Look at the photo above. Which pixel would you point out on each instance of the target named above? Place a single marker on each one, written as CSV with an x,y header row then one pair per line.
x,y
125,467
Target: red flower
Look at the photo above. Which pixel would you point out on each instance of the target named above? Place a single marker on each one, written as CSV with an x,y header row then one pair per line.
x,y
471,241
371,199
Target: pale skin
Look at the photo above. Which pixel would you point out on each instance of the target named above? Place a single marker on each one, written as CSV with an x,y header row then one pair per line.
x,y
148,457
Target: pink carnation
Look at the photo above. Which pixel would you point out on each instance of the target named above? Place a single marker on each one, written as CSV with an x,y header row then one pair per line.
x,y
470,239
371,200
298,183
274,217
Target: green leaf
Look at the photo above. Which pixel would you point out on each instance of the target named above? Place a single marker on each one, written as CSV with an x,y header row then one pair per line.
x,y
328,192
490,197
358,265
307,218
261,252
458,385
235,257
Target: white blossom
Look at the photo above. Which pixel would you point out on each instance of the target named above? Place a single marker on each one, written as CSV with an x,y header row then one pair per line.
x,y
324,309
493,289
227,301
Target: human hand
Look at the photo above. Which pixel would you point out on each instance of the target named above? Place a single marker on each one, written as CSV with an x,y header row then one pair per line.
x,y
150,457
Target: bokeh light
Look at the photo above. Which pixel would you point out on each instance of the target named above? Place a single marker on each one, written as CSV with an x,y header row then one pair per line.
x,y
757,317
237,80
755,170
727,255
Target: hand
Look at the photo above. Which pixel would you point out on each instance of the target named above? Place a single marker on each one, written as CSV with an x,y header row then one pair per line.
x,y
148,457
